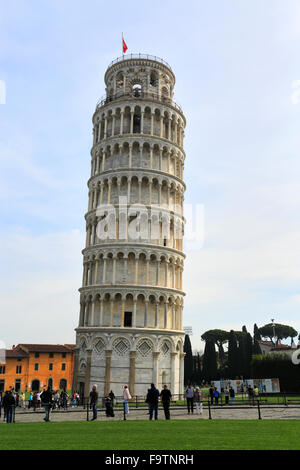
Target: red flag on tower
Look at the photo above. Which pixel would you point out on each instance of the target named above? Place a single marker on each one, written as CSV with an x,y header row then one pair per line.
x,y
124,45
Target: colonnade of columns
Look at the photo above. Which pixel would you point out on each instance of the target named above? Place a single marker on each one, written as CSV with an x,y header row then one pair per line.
x,y
152,272
136,155
121,121
100,312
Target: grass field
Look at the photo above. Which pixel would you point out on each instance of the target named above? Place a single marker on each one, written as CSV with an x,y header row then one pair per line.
x,y
152,435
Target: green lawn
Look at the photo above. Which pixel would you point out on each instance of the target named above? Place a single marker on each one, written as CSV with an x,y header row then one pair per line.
x,y
153,435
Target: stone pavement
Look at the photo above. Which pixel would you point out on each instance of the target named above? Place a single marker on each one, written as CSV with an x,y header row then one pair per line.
x,y
229,412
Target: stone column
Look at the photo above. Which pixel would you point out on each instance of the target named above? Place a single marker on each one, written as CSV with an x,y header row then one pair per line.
x,y
132,373
173,359
134,314
131,122
111,312
152,123
75,384
181,372
156,315
105,127
155,367
108,354
101,312
142,122
146,313
87,386
122,123
113,125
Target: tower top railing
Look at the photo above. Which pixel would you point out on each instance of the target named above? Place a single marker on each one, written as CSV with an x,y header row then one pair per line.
x,y
136,95
139,56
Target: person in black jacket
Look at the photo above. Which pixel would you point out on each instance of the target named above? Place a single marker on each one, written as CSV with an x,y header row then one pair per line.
x,y
9,403
152,400
94,401
46,399
166,396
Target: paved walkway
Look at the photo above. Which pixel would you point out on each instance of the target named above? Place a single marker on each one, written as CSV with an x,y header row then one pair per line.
x,y
244,412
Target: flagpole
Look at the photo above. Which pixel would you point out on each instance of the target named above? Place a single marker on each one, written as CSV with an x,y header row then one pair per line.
x,y
122,46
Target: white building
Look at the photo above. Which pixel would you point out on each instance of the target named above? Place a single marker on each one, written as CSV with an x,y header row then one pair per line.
x,y
130,324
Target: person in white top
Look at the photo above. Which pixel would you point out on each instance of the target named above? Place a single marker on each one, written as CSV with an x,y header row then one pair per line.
x,y
126,397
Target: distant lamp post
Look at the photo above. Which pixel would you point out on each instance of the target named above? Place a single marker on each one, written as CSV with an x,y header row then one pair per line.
x,y
273,325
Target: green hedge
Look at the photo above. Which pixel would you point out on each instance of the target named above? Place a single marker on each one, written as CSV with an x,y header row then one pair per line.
x,y
277,366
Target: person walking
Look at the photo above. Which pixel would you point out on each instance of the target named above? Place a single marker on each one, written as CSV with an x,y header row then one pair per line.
x,y
94,401
46,401
166,396
126,398
231,394
256,392
152,400
189,393
9,403
198,400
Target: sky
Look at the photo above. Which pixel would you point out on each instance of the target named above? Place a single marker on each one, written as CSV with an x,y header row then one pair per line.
x,y
237,68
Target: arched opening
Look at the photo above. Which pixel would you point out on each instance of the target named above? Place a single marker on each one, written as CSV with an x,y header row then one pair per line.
x,y
63,384
35,385
137,90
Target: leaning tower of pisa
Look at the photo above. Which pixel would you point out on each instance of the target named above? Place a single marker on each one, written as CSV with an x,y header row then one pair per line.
x,y
131,299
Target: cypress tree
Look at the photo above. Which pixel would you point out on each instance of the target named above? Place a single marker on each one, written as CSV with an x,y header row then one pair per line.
x,y
209,371
233,359
256,333
188,360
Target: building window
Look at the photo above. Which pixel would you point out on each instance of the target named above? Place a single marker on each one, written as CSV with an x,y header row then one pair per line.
x,y
51,354
36,354
19,359
51,366
2,369
63,366
17,385
128,319
18,369
2,385
36,366
64,355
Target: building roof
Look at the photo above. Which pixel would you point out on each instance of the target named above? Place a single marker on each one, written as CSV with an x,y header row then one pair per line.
x,y
15,353
46,348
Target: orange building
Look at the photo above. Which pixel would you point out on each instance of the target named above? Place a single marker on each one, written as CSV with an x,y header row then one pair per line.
x,y
30,367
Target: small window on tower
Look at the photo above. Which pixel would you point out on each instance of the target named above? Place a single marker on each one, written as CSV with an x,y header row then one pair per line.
x,y
137,90
128,319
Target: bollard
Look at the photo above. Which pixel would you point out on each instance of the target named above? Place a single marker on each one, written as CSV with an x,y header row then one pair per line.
x,y
258,407
209,410
124,418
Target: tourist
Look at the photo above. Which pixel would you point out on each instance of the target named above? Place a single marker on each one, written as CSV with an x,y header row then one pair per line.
x,y
30,400
216,396
23,400
64,399
38,400
94,401
35,401
9,403
46,400
231,394
211,394
109,409
126,397
166,397
251,394
152,400
189,393
112,396
256,392
226,393
198,400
